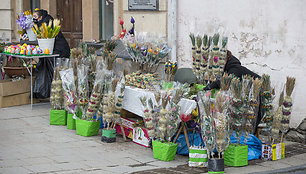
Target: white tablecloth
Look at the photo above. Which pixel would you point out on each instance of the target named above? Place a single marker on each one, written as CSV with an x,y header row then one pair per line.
x,y
132,103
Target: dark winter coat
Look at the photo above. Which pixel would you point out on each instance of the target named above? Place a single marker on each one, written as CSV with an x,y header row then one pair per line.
x,y
61,46
233,66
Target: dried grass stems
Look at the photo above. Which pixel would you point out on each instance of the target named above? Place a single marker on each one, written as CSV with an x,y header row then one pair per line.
x,y
290,83
143,101
199,42
157,96
178,95
220,104
246,84
207,108
226,81
114,84
192,38
236,87
281,99
76,53
266,84
257,83
165,100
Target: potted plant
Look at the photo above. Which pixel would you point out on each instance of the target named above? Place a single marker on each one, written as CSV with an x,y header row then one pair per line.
x,y
46,34
58,115
25,21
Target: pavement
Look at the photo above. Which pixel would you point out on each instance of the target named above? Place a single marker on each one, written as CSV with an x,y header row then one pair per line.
x,y
28,144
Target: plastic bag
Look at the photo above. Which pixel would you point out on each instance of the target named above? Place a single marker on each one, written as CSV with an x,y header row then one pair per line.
x,y
68,83
254,146
96,93
42,84
83,90
56,98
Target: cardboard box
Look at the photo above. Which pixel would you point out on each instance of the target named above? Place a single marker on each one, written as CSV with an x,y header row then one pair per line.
x,y
15,100
8,87
127,126
273,152
141,137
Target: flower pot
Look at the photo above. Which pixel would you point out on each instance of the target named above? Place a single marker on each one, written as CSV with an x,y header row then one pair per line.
x,y
164,151
215,165
71,122
108,135
16,71
236,155
87,128
31,34
46,44
58,117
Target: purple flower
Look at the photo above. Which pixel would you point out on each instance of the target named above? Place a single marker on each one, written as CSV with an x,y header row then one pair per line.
x,y
131,31
132,20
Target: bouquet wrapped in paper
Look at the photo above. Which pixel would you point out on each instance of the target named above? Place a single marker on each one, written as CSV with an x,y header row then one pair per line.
x,y
208,125
236,110
83,91
222,122
277,118
249,116
95,97
267,97
70,97
56,98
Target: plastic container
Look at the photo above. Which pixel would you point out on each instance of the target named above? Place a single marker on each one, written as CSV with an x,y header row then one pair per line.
x,y
46,43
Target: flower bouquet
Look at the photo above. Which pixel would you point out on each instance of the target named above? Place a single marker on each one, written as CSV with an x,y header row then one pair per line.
x,y
287,106
267,96
145,50
198,57
249,116
277,118
70,96
25,21
214,58
205,57
193,51
46,34
208,128
58,116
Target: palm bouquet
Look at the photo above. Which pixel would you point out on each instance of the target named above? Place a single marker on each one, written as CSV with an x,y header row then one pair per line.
x,y
47,31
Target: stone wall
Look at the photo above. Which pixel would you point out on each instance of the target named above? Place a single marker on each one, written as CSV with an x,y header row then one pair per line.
x,y
267,36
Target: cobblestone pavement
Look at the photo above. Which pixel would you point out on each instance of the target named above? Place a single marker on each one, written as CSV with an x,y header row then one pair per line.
x,y
28,144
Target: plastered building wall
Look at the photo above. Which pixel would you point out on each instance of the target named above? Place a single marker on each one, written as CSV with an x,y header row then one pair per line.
x,y
146,21
267,36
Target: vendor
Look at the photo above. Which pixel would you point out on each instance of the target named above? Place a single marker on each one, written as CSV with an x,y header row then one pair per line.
x,y
61,46
233,66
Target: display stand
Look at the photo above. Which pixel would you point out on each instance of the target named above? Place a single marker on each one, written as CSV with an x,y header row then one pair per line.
x,y
182,127
30,70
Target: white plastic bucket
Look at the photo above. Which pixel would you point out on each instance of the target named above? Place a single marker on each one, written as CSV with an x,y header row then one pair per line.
x,y
46,43
31,34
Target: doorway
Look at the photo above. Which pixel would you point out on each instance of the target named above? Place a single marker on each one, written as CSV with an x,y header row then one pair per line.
x,y
70,14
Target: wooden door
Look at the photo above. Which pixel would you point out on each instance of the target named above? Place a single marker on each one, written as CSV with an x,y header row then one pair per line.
x,y
70,14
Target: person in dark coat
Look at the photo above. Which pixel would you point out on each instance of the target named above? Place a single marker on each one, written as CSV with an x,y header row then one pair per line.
x,y
61,46
42,84
233,66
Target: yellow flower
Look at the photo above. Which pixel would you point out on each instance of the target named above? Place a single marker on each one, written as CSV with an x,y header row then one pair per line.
x,y
36,9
